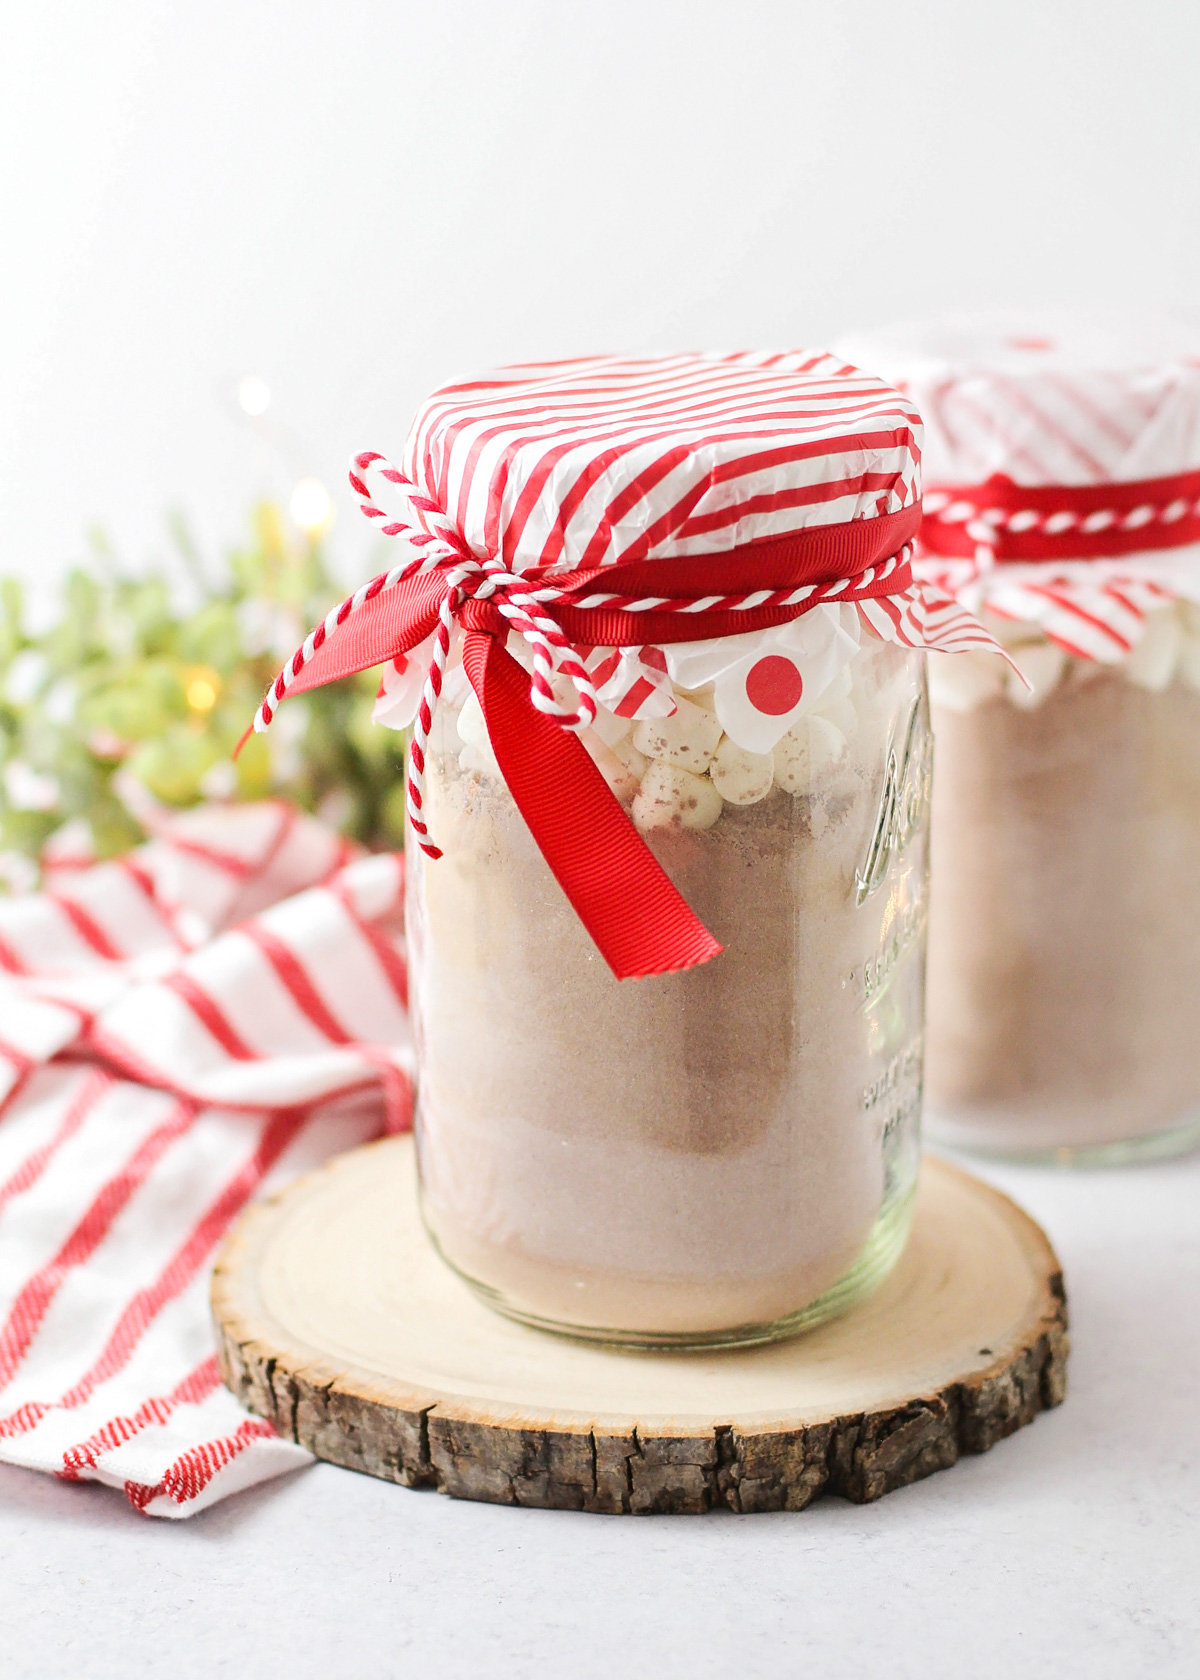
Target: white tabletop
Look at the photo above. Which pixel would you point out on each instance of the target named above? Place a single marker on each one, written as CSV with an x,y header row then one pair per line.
x,y
1071,1549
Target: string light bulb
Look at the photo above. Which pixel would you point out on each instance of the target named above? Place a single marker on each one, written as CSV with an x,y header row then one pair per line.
x,y
254,395
311,506
201,688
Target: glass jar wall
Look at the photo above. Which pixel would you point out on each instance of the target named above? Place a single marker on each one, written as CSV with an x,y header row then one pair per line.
x,y
1064,979
722,1156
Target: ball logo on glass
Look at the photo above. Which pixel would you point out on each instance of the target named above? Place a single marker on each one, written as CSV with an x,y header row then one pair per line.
x,y
903,801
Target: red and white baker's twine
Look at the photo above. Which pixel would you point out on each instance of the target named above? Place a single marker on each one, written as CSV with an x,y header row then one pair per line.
x,y
985,523
425,526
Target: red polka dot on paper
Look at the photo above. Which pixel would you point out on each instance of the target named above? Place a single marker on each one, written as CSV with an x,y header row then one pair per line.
x,y
774,685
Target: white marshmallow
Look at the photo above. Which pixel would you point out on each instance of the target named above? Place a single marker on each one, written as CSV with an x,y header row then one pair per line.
x,y
634,761
688,739
808,751
841,713
670,797
477,751
520,650
1189,612
621,780
443,735
1156,654
610,727
741,777
566,695
455,687
472,729
483,759
1042,664
958,682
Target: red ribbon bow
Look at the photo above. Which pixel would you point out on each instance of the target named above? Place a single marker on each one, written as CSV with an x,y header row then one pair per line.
x,y
620,892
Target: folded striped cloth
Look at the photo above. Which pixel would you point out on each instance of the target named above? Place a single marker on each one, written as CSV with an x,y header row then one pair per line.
x,y
181,1029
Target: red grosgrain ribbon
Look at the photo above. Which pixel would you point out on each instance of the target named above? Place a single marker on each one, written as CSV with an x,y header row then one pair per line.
x,y
616,885
1022,523
621,893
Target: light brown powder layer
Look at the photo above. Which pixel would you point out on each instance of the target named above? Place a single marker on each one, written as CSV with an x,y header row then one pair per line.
x,y
1064,978
685,1153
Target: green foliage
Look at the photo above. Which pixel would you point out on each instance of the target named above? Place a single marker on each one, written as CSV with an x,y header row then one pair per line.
x,y
127,688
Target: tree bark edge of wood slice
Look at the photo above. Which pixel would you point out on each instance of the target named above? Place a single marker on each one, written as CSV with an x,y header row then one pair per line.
x,y
841,1412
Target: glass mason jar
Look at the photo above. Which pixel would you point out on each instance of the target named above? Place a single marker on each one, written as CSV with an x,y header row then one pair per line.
x,y
1064,968
1061,503
721,1156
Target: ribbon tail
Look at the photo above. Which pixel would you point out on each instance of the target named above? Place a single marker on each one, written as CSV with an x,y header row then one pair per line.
x,y
391,622
640,923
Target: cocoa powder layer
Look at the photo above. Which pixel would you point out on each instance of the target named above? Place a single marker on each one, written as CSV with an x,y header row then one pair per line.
x,y
1064,962
681,1153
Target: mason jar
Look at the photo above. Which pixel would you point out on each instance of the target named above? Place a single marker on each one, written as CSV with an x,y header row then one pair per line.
x,y
727,1154
1065,939
655,629
1063,506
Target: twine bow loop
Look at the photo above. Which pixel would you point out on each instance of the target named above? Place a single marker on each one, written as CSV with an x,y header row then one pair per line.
x,y
502,601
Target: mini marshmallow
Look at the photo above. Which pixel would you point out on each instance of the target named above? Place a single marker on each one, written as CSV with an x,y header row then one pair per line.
x,y
519,648
1042,664
566,695
610,727
741,777
472,729
841,713
670,797
443,734
480,758
634,761
477,751
455,686
1156,654
688,739
958,682
620,779
808,751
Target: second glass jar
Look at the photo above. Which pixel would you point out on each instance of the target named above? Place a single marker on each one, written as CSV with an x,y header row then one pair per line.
x,y
1064,963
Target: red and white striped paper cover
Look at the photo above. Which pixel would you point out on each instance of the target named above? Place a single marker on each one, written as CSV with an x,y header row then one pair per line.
x,y
619,515
611,462
1062,465
182,1029
607,461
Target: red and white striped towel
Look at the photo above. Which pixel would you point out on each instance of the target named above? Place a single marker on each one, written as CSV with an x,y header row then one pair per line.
x,y
180,1030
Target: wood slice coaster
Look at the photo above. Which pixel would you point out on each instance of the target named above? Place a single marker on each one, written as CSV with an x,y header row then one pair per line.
x,y
338,1322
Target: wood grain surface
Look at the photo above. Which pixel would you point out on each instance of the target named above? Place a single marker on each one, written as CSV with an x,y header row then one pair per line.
x,y
337,1321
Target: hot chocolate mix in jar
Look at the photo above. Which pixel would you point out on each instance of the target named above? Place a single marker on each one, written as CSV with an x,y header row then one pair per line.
x,y
656,633
1063,505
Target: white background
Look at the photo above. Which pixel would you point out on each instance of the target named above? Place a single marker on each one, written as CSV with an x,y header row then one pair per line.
x,y
357,201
